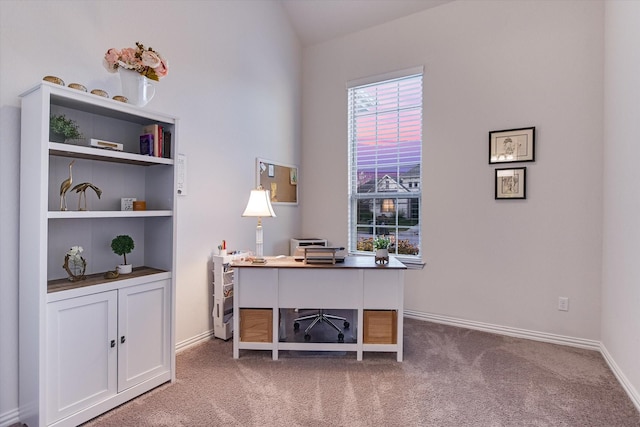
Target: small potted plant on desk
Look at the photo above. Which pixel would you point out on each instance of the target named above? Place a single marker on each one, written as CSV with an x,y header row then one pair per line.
x,y
381,246
122,245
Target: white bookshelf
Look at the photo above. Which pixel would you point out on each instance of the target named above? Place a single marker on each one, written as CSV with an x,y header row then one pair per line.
x,y
63,324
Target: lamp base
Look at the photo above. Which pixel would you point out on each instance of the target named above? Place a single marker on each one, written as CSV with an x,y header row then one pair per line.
x,y
259,260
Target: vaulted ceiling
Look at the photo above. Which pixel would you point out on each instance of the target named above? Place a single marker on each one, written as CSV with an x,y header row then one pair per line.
x,y
316,21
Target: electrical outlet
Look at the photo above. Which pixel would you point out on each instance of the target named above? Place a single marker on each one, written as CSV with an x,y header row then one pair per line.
x,y
563,304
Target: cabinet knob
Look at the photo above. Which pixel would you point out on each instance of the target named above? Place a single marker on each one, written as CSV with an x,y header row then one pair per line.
x,y
122,339
113,343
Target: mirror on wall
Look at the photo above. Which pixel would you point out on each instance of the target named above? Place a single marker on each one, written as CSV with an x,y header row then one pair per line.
x,y
280,179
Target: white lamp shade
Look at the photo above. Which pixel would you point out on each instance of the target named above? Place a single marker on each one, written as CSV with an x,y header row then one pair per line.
x,y
259,204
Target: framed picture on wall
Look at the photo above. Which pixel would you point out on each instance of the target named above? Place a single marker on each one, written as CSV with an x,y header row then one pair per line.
x,y
512,145
511,183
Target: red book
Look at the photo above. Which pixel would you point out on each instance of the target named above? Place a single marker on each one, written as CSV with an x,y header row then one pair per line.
x,y
160,153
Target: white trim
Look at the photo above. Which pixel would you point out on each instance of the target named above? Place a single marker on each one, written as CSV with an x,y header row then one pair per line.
x,y
506,330
362,81
10,418
536,336
195,340
622,379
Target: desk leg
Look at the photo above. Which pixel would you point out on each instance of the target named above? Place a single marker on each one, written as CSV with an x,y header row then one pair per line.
x,y
360,334
399,334
275,333
236,329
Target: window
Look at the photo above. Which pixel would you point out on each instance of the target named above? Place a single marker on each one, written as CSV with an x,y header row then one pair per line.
x,y
385,160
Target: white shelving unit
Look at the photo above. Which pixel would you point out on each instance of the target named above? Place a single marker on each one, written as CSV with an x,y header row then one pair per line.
x,y
223,289
89,346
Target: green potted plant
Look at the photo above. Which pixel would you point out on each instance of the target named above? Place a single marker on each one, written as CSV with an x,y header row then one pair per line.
x,y
61,128
122,245
381,246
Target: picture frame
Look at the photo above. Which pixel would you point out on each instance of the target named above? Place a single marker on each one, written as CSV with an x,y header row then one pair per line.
x,y
511,183
280,179
512,145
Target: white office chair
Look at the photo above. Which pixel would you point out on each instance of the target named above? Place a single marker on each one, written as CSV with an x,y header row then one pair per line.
x,y
320,317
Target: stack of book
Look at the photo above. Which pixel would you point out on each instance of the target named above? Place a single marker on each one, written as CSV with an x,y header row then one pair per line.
x,y
155,141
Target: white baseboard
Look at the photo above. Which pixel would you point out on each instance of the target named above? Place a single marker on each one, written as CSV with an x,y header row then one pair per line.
x,y
537,336
10,418
506,330
626,385
195,340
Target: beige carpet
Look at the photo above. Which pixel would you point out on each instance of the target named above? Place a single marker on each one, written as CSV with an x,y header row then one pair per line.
x,y
450,377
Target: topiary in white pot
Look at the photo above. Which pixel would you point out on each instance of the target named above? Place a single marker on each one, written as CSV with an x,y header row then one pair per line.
x,y
123,245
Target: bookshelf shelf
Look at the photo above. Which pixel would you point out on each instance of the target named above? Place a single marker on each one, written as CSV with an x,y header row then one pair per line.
x,y
99,154
108,214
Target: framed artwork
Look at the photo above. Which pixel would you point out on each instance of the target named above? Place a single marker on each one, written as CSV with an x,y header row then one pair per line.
x,y
280,179
511,183
512,145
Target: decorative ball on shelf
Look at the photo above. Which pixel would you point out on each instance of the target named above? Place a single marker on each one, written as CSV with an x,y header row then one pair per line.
x,y
100,92
78,86
53,79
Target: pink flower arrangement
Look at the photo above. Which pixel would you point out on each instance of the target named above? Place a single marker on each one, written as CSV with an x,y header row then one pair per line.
x,y
147,62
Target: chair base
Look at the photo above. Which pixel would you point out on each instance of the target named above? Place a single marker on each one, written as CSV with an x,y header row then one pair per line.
x,y
321,317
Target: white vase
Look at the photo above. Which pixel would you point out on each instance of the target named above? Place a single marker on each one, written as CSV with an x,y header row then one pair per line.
x,y
124,268
138,89
382,253
382,256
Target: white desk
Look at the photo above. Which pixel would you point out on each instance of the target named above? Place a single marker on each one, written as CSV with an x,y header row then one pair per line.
x,y
357,284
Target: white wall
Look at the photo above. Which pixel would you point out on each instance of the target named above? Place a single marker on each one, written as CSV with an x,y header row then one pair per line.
x,y
234,80
489,65
621,269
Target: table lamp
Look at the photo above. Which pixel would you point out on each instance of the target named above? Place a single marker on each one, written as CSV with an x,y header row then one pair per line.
x,y
259,205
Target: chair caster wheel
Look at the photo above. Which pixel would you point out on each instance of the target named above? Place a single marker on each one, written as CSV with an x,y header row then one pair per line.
x,y
340,337
296,326
346,325
307,337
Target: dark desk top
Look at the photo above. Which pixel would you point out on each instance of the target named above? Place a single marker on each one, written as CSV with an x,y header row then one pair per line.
x,y
367,262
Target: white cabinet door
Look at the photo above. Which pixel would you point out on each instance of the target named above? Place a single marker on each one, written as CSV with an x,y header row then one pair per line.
x,y
143,333
81,361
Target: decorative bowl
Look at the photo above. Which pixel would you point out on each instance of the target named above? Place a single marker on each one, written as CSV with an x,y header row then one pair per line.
x,y
100,92
77,86
54,79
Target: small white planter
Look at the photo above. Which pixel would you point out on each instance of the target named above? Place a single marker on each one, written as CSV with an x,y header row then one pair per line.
x,y
124,269
382,256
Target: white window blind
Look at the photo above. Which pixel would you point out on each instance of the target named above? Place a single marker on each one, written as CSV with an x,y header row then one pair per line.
x,y
385,162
